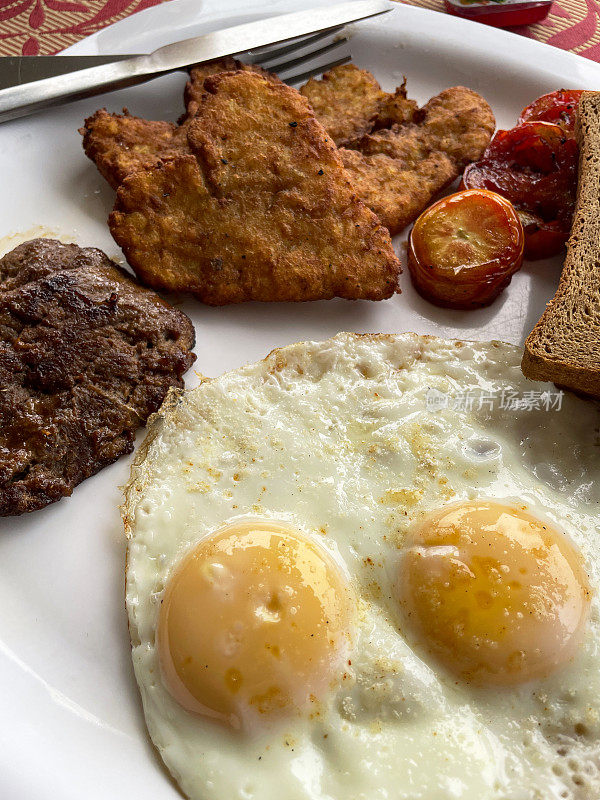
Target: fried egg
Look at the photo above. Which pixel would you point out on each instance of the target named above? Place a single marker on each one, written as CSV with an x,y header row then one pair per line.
x,y
367,568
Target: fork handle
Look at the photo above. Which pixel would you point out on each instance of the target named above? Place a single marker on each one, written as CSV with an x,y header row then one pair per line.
x,y
19,101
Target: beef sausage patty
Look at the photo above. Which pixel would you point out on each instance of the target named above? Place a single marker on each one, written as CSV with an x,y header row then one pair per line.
x,y
86,355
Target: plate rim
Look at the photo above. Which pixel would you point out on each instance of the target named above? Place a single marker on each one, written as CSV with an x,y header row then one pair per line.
x,y
430,25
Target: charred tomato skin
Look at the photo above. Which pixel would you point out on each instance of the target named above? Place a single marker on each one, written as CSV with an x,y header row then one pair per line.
x,y
534,166
559,108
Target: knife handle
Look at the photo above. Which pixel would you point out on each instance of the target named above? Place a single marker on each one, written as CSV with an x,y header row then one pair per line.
x,y
19,101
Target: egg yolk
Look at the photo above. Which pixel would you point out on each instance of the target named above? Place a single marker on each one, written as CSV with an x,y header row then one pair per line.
x,y
498,596
254,621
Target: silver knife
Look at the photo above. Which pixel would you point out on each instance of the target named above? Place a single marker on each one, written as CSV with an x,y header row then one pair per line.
x,y
26,98
16,70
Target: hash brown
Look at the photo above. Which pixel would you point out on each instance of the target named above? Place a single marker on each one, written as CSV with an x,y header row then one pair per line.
x,y
119,144
262,210
397,171
194,88
349,103
398,156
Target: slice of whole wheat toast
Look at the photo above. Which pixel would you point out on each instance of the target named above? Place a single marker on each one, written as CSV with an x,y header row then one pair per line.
x,y
564,346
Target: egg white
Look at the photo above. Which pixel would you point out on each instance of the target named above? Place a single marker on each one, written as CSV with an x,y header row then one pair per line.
x,y
336,439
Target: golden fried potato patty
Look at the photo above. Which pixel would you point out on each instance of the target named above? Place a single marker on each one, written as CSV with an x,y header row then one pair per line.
x,y
399,170
262,209
346,101
398,156
120,144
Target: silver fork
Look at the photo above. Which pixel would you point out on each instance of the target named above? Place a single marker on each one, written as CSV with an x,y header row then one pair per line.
x,y
267,58
303,32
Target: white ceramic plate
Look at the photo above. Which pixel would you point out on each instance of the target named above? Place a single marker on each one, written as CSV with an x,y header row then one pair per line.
x,y
71,723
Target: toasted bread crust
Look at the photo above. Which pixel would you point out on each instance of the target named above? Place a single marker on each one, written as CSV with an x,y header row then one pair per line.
x,y
564,346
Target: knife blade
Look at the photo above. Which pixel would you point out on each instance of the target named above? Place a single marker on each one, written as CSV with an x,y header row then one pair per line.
x,y
18,101
16,70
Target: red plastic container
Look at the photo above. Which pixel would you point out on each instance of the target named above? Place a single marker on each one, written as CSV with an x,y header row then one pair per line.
x,y
500,13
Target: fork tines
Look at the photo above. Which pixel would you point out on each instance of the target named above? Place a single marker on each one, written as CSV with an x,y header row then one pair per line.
x,y
301,50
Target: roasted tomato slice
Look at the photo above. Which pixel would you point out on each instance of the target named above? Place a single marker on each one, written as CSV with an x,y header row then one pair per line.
x,y
559,108
535,167
464,249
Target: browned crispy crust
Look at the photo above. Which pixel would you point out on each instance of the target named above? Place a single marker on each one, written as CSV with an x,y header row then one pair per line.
x,y
86,355
398,156
399,170
346,101
119,144
350,103
457,122
397,194
194,88
264,211
397,109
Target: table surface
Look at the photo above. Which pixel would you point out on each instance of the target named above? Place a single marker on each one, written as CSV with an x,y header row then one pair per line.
x,y
39,27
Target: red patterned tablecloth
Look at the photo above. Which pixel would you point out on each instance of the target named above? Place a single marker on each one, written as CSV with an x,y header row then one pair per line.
x,y
39,27
31,27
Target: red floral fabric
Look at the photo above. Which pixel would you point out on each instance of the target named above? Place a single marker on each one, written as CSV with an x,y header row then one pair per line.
x,y
572,25
38,27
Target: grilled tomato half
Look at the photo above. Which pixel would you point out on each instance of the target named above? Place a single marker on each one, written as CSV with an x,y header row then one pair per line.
x,y
559,108
534,165
464,249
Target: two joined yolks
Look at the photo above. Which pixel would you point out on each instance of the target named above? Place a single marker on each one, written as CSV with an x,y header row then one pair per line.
x,y
257,618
